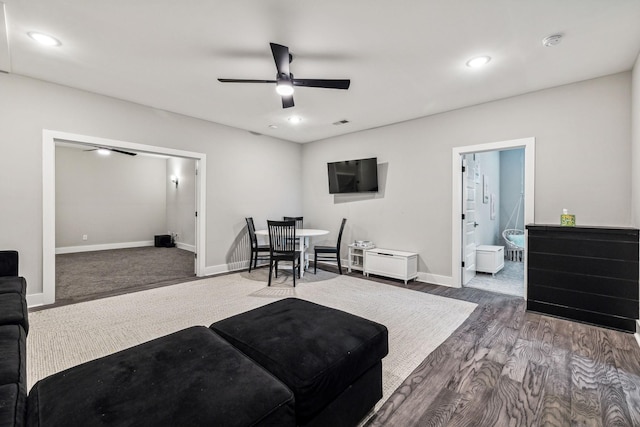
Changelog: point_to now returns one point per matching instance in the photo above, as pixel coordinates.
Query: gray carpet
(86, 274)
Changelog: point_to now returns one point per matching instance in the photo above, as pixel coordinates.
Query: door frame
(529, 185)
(49, 140)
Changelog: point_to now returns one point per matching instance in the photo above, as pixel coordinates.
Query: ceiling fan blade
(324, 83)
(245, 81)
(128, 153)
(281, 57)
(287, 101)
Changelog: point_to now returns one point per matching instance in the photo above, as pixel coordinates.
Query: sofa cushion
(8, 263)
(13, 400)
(13, 310)
(13, 351)
(189, 378)
(13, 284)
(315, 350)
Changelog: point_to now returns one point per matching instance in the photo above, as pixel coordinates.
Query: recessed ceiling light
(295, 119)
(478, 61)
(44, 39)
(104, 152)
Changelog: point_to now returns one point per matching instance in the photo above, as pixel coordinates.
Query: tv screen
(353, 176)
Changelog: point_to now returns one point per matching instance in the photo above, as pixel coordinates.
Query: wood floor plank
(556, 403)
(628, 365)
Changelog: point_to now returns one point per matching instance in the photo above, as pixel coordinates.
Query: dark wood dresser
(589, 274)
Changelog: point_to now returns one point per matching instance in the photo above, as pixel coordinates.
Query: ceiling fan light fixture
(284, 88)
(478, 61)
(44, 39)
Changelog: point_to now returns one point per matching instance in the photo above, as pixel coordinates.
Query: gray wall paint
(511, 188)
(583, 153)
(241, 177)
(181, 200)
(111, 199)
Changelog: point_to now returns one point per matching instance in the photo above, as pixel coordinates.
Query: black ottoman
(188, 378)
(330, 359)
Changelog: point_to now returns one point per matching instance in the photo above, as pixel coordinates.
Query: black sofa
(288, 363)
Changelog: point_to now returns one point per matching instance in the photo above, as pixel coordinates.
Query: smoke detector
(552, 40)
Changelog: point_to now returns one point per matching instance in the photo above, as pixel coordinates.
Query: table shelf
(356, 256)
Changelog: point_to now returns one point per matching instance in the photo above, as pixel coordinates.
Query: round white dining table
(304, 234)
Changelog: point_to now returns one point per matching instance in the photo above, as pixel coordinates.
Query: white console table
(390, 263)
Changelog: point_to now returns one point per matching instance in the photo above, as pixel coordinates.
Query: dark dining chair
(329, 253)
(297, 219)
(282, 247)
(256, 249)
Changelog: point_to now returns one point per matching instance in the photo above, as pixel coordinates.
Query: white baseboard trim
(103, 247)
(225, 268)
(35, 300)
(190, 248)
(436, 279)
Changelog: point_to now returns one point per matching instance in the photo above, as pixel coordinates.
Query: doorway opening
(493, 199)
(51, 139)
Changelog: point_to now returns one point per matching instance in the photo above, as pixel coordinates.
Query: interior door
(468, 219)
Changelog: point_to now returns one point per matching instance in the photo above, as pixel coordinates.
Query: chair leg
(250, 261)
(270, 270)
(293, 271)
(276, 269)
(315, 263)
(339, 265)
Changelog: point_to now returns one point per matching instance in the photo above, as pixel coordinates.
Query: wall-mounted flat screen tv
(353, 176)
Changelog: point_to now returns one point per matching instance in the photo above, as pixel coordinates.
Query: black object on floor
(163, 241)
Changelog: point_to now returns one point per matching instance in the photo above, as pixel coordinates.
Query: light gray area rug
(65, 336)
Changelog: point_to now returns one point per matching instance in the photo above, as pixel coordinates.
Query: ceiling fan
(128, 153)
(284, 79)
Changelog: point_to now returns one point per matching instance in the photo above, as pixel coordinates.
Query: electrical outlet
(85, 237)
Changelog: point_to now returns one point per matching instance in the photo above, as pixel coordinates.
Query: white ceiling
(405, 58)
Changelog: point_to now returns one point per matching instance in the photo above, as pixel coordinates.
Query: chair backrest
(252, 232)
(344, 221)
(297, 219)
(282, 236)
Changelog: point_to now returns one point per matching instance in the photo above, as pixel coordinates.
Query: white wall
(511, 188)
(487, 232)
(241, 177)
(111, 199)
(181, 201)
(583, 163)
(635, 143)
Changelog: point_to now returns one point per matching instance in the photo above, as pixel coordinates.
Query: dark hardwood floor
(508, 367)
